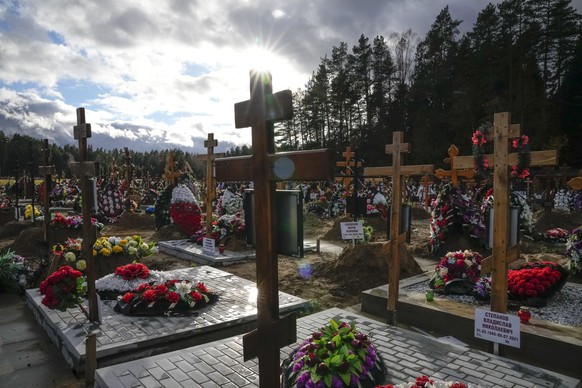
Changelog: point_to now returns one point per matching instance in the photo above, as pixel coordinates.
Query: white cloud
(167, 73)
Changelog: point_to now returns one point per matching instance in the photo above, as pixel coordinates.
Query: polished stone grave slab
(122, 338)
(406, 355)
(542, 343)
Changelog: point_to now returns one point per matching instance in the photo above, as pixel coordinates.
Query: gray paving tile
(441, 360)
(121, 338)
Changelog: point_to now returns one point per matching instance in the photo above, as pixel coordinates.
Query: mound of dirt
(379, 224)
(364, 266)
(132, 221)
(169, 232)
(556, 219)
(14, 228)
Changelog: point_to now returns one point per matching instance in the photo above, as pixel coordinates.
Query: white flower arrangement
(181, 193)
(562, 200)
(231, 202)
(113, 282)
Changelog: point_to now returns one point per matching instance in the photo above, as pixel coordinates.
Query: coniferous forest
(520, 56)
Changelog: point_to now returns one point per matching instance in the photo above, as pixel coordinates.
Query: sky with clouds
(164, 74)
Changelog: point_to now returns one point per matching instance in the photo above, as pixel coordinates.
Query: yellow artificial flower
(117, 249)
(105, 252)
(94, 253)
(81, 265)
(123, 242)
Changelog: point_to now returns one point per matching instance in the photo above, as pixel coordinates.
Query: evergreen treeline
(522, 56)
(24, 153)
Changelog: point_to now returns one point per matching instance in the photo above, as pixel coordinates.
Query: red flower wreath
(133, 271)
(186, 215)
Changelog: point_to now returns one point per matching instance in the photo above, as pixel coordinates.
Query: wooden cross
(348, 163)
(453, 152)
(171, 173)
(47, 171)
(113, 171)
(396, 246)
(128, 177)
(502, 255)
(265, 167)
(85, 169)
(210, 143)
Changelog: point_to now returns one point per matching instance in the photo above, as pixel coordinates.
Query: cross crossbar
(538, 158)
(420, 169)
(309, 165)
(279, 106)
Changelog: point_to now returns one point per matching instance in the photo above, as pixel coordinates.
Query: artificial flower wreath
(335, 356)
(165, 298)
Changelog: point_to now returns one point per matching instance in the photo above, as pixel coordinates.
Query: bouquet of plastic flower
(63, 289)
(574, 250)
(459, 265)
(335, 356)
(170, 297)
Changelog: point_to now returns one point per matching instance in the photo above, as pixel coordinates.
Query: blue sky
(164, 74)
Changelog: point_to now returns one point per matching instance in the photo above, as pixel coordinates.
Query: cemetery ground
(333, 277)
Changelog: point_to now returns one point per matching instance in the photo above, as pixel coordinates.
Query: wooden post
(265, 167)
(453, 152)
(128, 178)
(47, 171)
(396, 245)
(210, 156)
(171, 173)
(85, 169)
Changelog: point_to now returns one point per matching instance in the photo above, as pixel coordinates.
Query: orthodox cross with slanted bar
(396, 246)
(264, 168)
(85, 169)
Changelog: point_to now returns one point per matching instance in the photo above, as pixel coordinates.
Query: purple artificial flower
(303, 379)
(336, 382)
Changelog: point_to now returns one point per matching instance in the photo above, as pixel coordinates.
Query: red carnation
(149, 295)
(173, 297)
(128, 297)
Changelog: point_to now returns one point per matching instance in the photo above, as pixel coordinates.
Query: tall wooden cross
(453, 152)
(349, 164)
(396, 246)
(113, 174)
(48, 172)
(85, 169)
(128, 177)
(171, 172)
(210, 143)
(264, 168)
(503, 254)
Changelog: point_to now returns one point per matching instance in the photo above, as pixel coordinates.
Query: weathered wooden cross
(210, 143)
(264, 168)
(349, 163)
(502, 132)
(85, 169)
(426, 182)
(396, 246)
(48, 172)
(171, 172)
(128, 177)
(453, 152)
